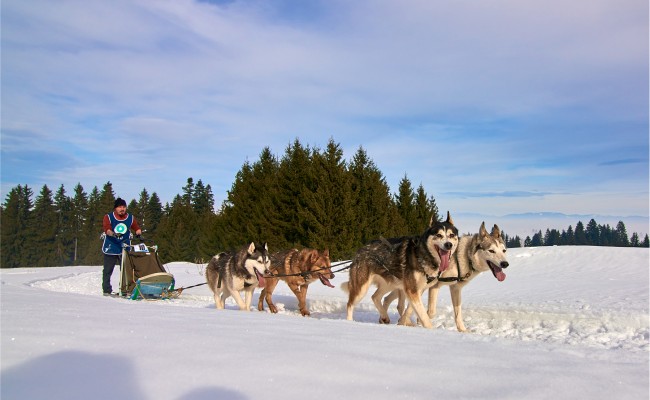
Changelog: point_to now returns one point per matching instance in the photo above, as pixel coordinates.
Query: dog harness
(458, 278)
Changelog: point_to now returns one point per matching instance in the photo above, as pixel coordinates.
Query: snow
(567, 323)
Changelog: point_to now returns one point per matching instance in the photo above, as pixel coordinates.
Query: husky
(229, 273)
(297, 268)
(409, 264)
(476, 253)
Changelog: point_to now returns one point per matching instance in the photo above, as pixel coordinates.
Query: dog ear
(496, 232)
(482, 231)
(251, 248)
(326, 253)
(266, 247)
(449, 220)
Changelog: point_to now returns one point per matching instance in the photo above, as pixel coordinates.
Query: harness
(457, 278)
(421, 261)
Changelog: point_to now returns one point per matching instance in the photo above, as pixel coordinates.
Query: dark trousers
(109, 266)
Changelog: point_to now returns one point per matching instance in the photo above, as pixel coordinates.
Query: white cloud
(462, 96)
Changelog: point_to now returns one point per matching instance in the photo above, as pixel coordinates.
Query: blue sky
(495, 107)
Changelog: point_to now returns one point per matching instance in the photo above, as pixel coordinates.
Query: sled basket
(142, 274)
(155, 286)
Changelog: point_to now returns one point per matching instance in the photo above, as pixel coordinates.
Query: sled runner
(143, 276)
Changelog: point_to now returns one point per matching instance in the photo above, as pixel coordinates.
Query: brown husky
(298, 268)
(410, 264)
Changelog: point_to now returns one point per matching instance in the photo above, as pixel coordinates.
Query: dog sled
(143, 276)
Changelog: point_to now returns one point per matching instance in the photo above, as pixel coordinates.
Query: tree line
(308, 197)
(593, 234)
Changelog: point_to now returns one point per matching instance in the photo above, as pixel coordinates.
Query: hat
(119, 202)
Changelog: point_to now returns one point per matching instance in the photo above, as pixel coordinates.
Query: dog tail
(345, 286)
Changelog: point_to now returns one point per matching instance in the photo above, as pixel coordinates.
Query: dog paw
(305, 313)
(385, 320)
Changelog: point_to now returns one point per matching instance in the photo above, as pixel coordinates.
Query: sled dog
(410, 264)
(303, 267)
(476, 253)
(229, 273)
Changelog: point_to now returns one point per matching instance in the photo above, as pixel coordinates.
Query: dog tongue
(260, 278)
(444, 259)
(325, 281)
(499, 274)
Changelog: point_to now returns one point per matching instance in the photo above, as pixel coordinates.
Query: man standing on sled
(117, 231)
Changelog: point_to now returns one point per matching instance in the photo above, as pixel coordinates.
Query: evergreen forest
(308, 197)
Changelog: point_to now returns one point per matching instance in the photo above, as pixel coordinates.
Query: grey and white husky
(476, 253)
(408, 264)
(230, 273)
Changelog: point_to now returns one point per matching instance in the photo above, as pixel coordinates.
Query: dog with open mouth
(230, 273)
(407, 265)
(476, 253)
(297, 268)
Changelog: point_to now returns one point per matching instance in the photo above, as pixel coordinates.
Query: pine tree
(177, 233)
(154, 214)
(606, 237)
(329, 208)
(426, 210)
(593, 233)
(139, 209)
(15, 219)
(209, 241)
(580, 235)
(646, 241)
(91, 245)
(234, 208)
(634, 241)
(295, 180)
(43, 227)
(405, 203)
(552, 238)
(202, 199)
(570, 239)
(188, 192)
(252, 210)
(372, 199)
(107, 197)
(620, 235)
(66, 228)
(79, 212)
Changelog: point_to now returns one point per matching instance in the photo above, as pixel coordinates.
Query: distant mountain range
(527, 224)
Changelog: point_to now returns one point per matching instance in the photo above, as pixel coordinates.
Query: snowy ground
(567, 323)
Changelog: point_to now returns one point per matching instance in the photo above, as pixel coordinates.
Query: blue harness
(113, 244)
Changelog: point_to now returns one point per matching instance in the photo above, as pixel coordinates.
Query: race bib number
(121, 229)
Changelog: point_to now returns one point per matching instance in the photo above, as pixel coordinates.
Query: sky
(496, 107)
(555, 328)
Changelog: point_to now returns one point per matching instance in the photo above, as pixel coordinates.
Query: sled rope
(306, 274)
